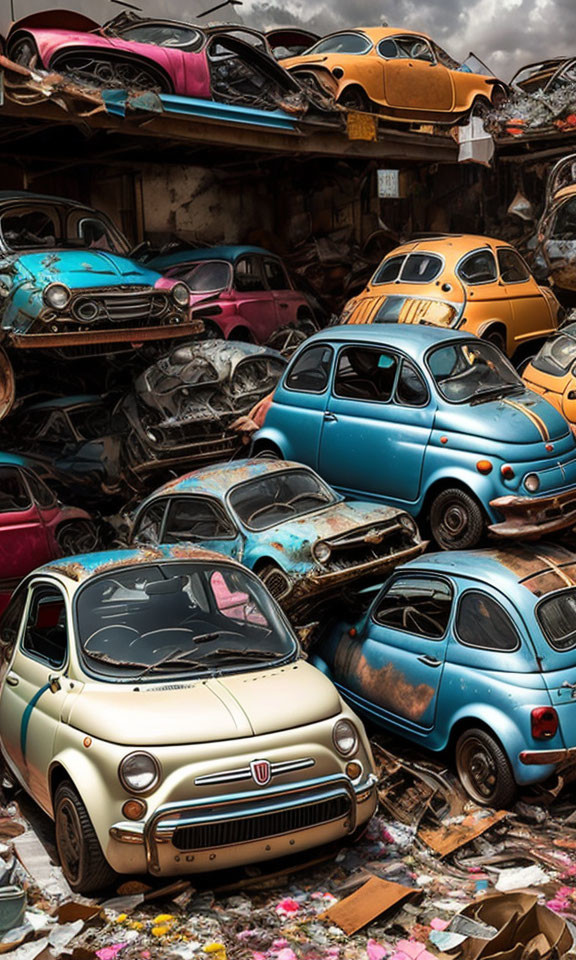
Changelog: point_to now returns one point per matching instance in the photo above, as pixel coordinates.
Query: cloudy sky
(504, 33)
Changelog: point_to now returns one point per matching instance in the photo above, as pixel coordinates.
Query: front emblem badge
(261, 772)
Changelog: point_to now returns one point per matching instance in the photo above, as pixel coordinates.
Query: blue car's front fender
(270, 435)
(464, 474)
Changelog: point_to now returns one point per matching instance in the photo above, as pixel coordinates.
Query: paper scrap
(517, 878)
(445, 940)
(372, 899)
(445, 839)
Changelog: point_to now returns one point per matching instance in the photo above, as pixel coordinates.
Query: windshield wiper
(175, 656)
(494, 393)
(229, 653)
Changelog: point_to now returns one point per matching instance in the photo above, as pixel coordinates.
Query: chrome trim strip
(244, 773)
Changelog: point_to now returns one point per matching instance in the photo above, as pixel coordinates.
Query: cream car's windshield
(152, 621)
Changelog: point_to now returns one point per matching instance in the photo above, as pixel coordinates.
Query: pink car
(34, 527)
(228, 63)
(241, 292)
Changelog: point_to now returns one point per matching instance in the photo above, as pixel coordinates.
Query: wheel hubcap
(69, 840)
(477, 769)
(455, 520)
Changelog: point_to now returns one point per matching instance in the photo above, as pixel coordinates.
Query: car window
(557, 617)
(557, 354)
(10, 622)
(418, 605)
(388, 271)
(34, 227)
(275, 275)
(444, 58)
(471, 370)
(310, 371)
(150, 523)
(209, 276)
(364, 373)
(278, 496)
(46, 632)
(13, 491)
(421, 268)
(233, 603)
(411, 390)
(478, 267)
(342, 43)
(195, 518)
(41, 493)
(164, 35)
(481, 622)
(512, 267)
(564, 224)
(407, 48)
(248, 275)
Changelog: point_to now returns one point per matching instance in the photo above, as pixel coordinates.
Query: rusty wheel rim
(477, 769)
(454, 521)
(69, 840)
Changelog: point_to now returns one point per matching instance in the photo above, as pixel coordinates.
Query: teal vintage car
(67, 280)
(434, 421)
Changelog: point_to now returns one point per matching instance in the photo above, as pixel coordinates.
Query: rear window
(557, 355)
(388, 271)
(479, 267)
(557, 617)
(342, 43)
(421, 268)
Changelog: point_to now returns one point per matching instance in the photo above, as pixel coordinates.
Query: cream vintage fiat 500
(156, 704)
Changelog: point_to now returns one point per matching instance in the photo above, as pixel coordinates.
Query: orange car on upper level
(463, 281)
(401, 74)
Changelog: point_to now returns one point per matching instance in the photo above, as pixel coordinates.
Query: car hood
(85, 268)
(343, 518)
(520, 418)
(199, 711)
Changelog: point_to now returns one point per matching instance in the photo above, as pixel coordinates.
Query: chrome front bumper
(262, 823)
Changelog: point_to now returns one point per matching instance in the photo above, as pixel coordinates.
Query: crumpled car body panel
(557, 226)
(551, 372)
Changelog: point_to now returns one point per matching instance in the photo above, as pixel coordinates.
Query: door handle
(430, 661)
(331, 417)
(12, 680)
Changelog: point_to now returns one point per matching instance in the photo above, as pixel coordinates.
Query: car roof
(26, 195)
(542, 568)
(379, 33)
(216, 480)
(415, 339)
(230, 253)
(84, 566)
(460, 242)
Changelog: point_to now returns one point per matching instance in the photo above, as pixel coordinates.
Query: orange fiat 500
(472, 283)
(552, 372)
(402, 74)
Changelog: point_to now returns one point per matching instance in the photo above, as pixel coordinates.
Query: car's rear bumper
(166, 331)
(538, 757)
(196, 836)
(533, 517)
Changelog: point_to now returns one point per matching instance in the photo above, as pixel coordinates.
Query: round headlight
(532, 482)
(345, 737)
(57, 296)
(139, 772)
(408, 523)
(322, 552)
(180, 294)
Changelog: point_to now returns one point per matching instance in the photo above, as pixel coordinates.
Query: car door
(531, 315)
(24, 543)
(256, 303)
(393, 669)
(202, 520)
(413, 78)
(486, 296)
(376, 425)
(32, 696)
(286, 299)
(300, 402)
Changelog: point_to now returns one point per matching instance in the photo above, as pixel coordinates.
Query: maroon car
(230, 63)
(34, 527)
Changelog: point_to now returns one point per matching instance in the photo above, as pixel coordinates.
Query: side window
(481, 622)
(366, 374)
(41, 493)
(196, 518)
(13, 491)
(411, 390)
(311, 371)
(150, 523)
(421, 268)
(276, 275)
(478, 267)
(387, 48)
(248, 276)
(418, 605)
(512, 267)
(46, 633)
(388, 271)
(10, 622)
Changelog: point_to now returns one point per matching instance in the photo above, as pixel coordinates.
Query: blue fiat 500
(434, 421)
(281, 520)
(474, 651)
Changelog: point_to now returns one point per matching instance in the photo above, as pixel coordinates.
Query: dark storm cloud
(505, 33)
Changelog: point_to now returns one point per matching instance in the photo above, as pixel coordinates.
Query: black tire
(354, 98)
(456, 520)
(497, 338)
(83, 863)
(484, 769)
(77, 536)
(211, 330)
(24, 52)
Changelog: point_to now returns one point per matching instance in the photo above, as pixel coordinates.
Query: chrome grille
(121, 307)
(225, 833)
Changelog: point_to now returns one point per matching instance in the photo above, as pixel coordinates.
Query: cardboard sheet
(368, 902)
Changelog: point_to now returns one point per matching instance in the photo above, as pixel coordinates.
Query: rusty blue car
(473, 652)
(282, 521)
(433, 421)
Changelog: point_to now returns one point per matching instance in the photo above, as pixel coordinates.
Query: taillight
(544, 722)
